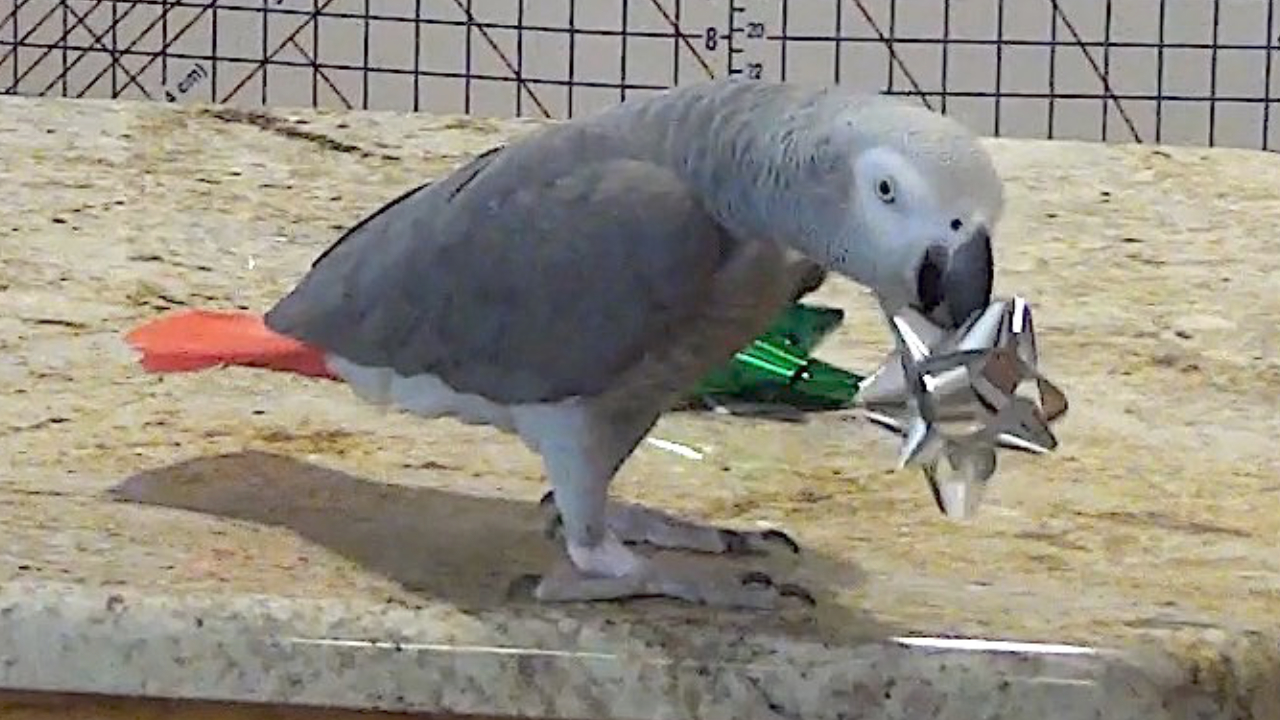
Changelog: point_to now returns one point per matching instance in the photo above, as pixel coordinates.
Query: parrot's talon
(524, 587)
(735, 543)
(755, 542)
(552, 521)
(798, 592)
(778, 536)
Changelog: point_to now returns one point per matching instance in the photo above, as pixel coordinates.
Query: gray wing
(535, 272)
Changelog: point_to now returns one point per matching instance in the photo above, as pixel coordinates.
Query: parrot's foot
(613, 572)
(635, 524)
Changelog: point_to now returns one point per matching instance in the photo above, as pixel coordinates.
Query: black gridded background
(1178, 71)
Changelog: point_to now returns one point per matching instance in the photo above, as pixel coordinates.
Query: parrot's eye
(956, 224)
(884, 189)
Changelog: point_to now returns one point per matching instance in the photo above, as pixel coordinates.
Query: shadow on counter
(464, 549)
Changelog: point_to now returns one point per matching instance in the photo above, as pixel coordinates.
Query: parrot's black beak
(953, 283)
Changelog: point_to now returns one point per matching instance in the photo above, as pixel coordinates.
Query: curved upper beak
(955, 281)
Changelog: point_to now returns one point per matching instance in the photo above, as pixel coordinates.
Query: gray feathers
(531, 274)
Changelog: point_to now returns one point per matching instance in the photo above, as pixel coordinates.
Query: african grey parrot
(570, 286)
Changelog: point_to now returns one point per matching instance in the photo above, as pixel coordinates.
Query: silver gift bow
(954, 398)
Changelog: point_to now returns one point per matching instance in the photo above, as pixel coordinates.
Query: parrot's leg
(582, 452)
(639, 524)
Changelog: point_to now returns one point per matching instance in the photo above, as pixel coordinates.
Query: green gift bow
(778, 368)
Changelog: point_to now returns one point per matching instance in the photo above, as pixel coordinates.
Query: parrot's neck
(758, 154)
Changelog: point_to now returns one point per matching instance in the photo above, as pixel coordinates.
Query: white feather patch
(424, 395)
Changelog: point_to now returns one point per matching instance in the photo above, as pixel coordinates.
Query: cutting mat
(1188, 72)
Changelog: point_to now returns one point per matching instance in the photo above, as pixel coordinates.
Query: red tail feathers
(199, 339)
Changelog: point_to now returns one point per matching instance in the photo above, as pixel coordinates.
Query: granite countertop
(240, 535)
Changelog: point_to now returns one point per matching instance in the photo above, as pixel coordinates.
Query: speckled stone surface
(246, 536)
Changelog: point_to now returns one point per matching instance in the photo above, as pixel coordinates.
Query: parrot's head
(923, 201)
